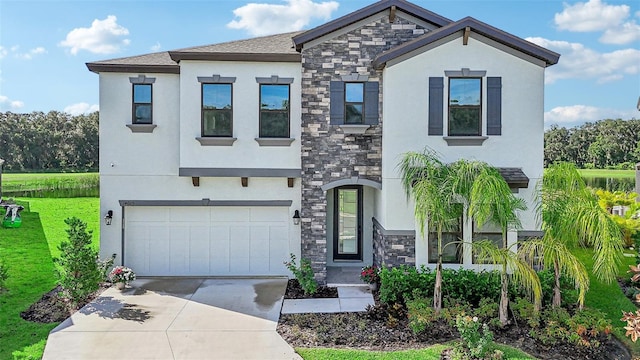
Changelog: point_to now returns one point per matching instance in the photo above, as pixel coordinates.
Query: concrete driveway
(177, 319)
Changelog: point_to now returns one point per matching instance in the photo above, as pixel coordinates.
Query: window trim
(202, 110)
(361, 103)
(475, 230)
(481, 109)
(135, 104)
(459, 247)
(287, 111)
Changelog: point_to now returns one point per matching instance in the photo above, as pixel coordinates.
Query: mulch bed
(53, 307)
(294, 291)
(376, 330)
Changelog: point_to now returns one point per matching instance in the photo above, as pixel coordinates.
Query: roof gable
(379, 6)
(512, 41)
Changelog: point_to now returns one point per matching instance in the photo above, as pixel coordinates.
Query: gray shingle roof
(512, 41)
(277, 47)
(515, 177)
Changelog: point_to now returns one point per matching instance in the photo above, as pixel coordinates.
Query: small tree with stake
(79, 274)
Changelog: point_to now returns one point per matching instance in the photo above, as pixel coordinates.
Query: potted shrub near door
(121, 276)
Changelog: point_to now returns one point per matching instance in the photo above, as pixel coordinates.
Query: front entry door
(347, 227)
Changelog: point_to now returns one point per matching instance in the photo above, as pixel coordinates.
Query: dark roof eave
(129, 68)
(177, 56)
(548, 56)
(365, 12)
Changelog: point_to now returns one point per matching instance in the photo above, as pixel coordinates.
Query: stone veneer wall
(327, 153)
(392, 250)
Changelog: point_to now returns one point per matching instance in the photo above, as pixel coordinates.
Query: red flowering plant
(121, 274)
(370, 274)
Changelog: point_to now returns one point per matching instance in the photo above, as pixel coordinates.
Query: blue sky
(44, 45)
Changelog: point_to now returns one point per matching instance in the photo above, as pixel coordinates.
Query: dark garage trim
(239, 172)
(206, 202)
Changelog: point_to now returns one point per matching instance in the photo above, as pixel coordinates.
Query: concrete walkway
(177, 319)
(350, 299)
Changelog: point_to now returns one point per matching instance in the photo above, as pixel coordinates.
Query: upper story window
(354, 103)
(468, 121)
(217, 110)
(274, 111)
(142, 104)
(465, 107)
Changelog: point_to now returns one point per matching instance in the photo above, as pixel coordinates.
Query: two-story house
(224, 159)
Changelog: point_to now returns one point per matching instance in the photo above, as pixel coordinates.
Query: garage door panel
(259, 249)
(230, 214)
(219, 253)
(278, 248)
(199, 250)
(179, 249)
(269, 214)
(203, 241)
(188, 214)
(147, 214)
(159, 250)
(239, 242)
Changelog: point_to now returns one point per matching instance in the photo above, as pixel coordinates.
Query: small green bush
(304, 274)
(567, 288)
(476, 344)
(421, 314)
(79, 275)
(585, 328)
(524, 311)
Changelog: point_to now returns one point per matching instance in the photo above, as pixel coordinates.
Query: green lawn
(609, 297)
(617, 174)
(430, 353)
(27, 251)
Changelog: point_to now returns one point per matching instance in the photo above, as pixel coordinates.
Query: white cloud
(6, 103)
(103, 37)
(266, 19)
(623, 34)
(29, 54)
(3, 52)
(580, 62)
(80, 108)
(156, 47)
(593, 15)
(578, 114)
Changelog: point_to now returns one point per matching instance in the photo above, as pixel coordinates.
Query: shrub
(567, 289)
(105, 266)
(403, 283)
(304, 274)
(524, 311)
(633, 324)
(421, 314)
(475, 343)
(79, 275)
(585, 328)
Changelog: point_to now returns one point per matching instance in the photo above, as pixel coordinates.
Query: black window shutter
(436, 96)
(371, 91)
(494, 106)
(337, 102)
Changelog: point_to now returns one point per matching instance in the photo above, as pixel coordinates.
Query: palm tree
(572, 217)
(439, 189)
(428, 181)
(493, 202)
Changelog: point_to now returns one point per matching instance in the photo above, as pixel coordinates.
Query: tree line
(53, 141)
(601, 144)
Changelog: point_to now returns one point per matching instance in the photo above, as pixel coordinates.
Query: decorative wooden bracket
(290, 182)
(244, 181)
(195, 180)
(392, 14)
(467, 33)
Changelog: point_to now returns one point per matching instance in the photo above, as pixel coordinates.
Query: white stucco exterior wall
(405, 119)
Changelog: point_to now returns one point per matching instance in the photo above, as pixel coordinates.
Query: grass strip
(27, 251)
(609, 297)
(607, 173)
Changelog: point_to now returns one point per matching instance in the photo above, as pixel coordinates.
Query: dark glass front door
(347, 227)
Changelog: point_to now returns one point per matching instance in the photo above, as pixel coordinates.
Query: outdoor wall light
(109, 217)
(296, 218)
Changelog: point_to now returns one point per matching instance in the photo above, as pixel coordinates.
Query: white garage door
(201, 241)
